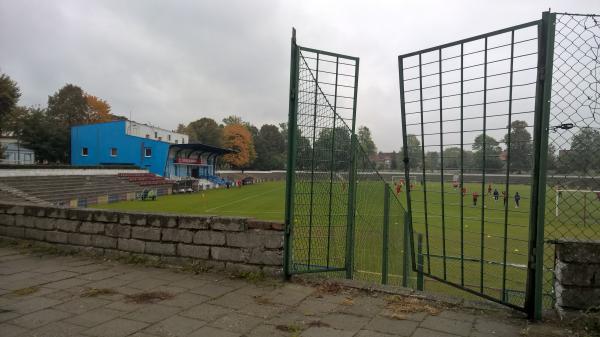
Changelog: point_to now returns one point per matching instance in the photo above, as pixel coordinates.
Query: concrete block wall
(577, 275)
(228, 243)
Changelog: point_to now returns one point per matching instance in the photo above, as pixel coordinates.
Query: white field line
(243, 199)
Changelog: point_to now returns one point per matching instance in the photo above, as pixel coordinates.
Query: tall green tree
(39, 133)
(492, 152)
(9, 97)
(341, 147)
(521, 147)
(205, 131)
(432, 160)
(584, 155)
(66, 108)
(452, 159)
(270, 149)
(233, 119)
(414, 153)
(366, 141)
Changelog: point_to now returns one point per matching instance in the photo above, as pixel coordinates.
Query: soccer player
(496, 194)
(504, 197)
(464, 191)
(398, 189)
(489, 189)
(475, 196)
(517, 199)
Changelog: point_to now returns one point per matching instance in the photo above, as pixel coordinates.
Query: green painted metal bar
(462, 169)
(420, 280)
(470, 39)
(332, 167)
(352, 182)
(291, 157)
(312, 164)
(351, 209)
(406, 252)
(386, 234)
(442, 167)
(425, 206)
(534, 293)
(508, 152)
(484, 166)
(323, 52)
(405, 141)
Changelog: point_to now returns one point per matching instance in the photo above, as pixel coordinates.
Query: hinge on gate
(292, 95)
(405, 160)
(541, 73)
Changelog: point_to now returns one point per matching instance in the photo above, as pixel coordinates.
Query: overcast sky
(170, 62)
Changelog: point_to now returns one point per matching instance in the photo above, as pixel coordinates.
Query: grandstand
(80, 190)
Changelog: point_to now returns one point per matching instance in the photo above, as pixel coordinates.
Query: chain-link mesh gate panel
(468, 111)
(325, 93)
(341, 215)
(573, 183)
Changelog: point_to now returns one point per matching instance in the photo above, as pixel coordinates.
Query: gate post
(535, 272)
(291, 157)
(386, 230)
(351, 208)
(406, 251)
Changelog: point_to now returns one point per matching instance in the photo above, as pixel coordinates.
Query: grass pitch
(265, 201)
(322, 242)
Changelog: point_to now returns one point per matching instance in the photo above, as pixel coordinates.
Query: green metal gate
(342, 218)
(475, 132)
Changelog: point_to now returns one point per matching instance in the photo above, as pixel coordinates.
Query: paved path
(77, 296)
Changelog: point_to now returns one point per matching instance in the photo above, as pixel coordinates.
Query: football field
(490, 246)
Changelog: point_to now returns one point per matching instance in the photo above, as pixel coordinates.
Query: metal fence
(342, 218)
(573, 184)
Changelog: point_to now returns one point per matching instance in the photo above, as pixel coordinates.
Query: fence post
(291, 158)
(351, 209)
(420, 262)
(406, 251)
(535, 272)
(386, 230)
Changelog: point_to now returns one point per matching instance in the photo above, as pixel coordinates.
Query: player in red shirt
(475, 196)
(464, 191)
(489, 189)
(398, 189)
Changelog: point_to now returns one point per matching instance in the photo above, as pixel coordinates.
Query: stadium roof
(197, 147)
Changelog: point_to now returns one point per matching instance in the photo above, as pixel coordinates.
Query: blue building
(162, 152)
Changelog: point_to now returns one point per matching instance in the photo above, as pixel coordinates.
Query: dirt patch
(262, 300)
(149, 297)
(400, 306)
(318, 324)
(293, 329)
(25, 291)
(94, 292)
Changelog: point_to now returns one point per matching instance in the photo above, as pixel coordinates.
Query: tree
(323, 149)
(39, 133)
(98, 110)
(521, 147)
(66, 108)
(237, 137)
(432, 160)
(205, 131)
(365, 140)
(414, 153)
(9, 97)
(551, 161)
(233, 119)
(270, 149)
(584, 153)
(492, 152)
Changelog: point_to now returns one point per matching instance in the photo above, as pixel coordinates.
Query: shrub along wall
(229, 243)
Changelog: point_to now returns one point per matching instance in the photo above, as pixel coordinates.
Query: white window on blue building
(113, 152)
(147, 152)
(85, 151)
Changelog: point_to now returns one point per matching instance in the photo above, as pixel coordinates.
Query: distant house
(383, 160)
(15, 153)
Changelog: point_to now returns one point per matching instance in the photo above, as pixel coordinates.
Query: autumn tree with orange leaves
(237, 137)
(98, 110)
